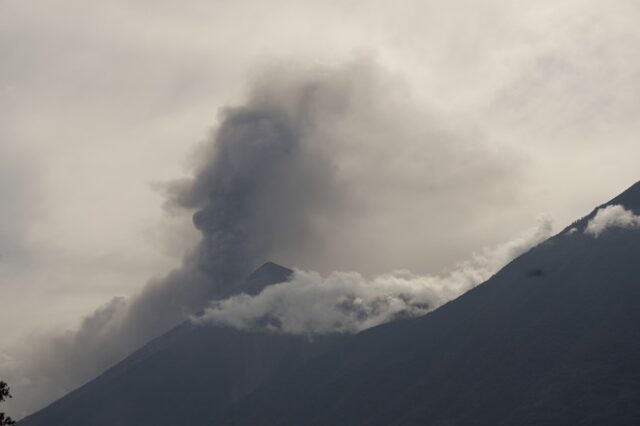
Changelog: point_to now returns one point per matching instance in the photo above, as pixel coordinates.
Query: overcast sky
(101, 101)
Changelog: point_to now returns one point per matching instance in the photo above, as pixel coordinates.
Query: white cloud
(346, 302)
(615, 216)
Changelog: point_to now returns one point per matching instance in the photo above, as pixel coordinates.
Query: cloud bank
(615, 216)
(346, 302)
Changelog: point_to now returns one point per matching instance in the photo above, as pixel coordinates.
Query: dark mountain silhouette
(187, 375)
(551, 339)
(267, 274)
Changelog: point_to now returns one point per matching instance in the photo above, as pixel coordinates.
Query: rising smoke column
(259, 188)
(262, 183)
(286, 175)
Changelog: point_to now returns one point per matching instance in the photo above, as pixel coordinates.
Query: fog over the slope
(615, 216)
(346, 302)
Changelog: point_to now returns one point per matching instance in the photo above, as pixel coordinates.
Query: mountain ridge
(541, 334)
(551, 338)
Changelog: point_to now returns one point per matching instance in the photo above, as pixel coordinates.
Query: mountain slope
(553, 338)
(185, 376)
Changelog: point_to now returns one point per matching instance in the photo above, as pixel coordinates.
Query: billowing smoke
(615, 216)
(346, 302)
(292, 175)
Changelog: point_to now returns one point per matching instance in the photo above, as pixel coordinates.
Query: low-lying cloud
(346, 302)
(614, 216)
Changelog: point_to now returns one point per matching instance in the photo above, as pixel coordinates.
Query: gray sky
(497, 111)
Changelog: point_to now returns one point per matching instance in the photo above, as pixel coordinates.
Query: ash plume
(290, 175)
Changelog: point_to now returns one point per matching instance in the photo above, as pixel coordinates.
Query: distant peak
(268, 274)
(270, 268)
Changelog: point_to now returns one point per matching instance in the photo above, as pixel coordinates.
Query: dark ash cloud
(301, 174)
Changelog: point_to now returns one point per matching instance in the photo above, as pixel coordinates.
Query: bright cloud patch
(615, 216)
(346, 302)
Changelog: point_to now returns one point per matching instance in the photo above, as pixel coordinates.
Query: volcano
(551, 339)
